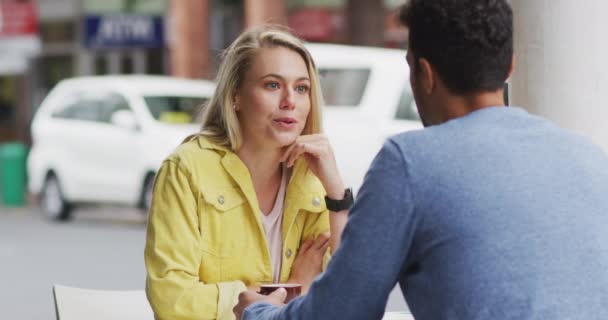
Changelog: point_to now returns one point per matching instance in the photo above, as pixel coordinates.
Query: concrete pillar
(561, 70)
(258, 12)
(189, 38)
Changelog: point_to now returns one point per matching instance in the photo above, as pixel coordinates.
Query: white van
(368, 98)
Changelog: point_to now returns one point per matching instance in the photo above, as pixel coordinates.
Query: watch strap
(339, 205)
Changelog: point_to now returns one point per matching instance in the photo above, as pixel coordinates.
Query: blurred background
(45, 41)
(95, 93)
(76, 165)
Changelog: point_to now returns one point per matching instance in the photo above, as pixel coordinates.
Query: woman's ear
(235, 102)
(428, 77)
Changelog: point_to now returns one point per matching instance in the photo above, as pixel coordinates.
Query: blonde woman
(248, 199)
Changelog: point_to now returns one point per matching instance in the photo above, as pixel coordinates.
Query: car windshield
(176, 109)
(343, 87)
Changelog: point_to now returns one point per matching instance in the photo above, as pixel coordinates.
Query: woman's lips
(286, 122)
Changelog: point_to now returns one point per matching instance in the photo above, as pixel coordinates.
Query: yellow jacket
(205, 240)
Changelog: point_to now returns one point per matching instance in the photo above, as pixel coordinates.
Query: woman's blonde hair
(220, 122)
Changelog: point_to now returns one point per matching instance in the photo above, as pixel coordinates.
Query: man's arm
(368, 262)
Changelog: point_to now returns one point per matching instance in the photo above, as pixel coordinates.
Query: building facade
(183, 38)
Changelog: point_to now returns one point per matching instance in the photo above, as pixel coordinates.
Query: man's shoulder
(411, 141)
(478, 124)
(409, 136)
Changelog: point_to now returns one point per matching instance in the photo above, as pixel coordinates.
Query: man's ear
(428, 76)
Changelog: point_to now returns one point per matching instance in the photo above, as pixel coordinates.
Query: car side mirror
(124, 119)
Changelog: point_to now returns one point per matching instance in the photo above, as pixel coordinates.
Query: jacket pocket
(222, 220)
(223, 199)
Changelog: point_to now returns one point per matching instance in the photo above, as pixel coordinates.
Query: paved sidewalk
(101, 248)
(14, 210)
(115, 214)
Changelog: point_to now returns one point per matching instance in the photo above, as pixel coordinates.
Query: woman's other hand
(309, 262)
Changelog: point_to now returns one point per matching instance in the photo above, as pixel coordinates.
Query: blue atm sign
(124, 31)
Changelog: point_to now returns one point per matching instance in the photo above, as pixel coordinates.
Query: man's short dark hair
(469, 42)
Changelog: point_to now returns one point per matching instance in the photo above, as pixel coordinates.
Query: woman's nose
(288, 101)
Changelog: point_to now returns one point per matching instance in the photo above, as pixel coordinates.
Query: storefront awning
(18, 35)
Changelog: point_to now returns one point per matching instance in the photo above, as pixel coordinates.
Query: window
(81, 109)
(174, 109)
(110, 104)
(406, 110)
(126, 64)
(343, 87)
(8, 108)
(155, 61)
(55, 69)
(97, 109)
(101, 64)
(63, 31)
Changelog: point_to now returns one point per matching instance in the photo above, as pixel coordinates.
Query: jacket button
(220, 199)
(288, 253)
(316, 201)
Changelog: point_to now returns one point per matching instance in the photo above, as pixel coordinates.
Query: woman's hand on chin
(319, 154)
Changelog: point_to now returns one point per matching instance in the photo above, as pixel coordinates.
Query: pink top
(273, 222)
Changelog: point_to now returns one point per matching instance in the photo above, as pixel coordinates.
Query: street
(101, 248)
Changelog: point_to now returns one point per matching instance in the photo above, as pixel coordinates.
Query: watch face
(348, 194)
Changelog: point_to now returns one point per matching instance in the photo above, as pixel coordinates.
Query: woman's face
(273, 101)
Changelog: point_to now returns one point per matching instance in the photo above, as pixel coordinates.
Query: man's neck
(460, 106)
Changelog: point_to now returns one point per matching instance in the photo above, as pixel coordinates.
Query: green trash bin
(12, 173)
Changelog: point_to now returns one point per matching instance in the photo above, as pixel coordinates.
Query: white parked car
(102, 138)
(368, 98)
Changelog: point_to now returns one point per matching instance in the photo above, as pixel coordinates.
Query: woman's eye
(272, 85)
(302, 89)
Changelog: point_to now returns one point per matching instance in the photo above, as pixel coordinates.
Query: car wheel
(53, 202)
(147, 191)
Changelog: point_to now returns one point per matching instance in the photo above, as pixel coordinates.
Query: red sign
(313, 24)
(18, 18)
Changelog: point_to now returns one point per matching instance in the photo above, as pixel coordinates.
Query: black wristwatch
(339, 205)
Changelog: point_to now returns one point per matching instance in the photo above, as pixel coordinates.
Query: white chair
(81, 304)
(400, 315)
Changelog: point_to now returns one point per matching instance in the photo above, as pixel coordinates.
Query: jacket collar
(304, 189)
(205, 143)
